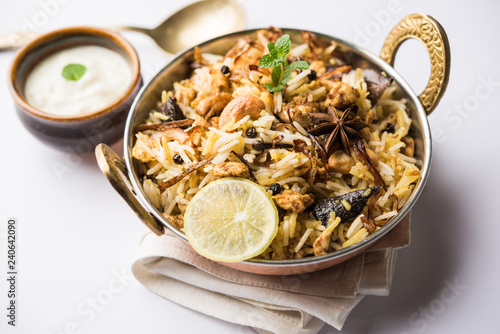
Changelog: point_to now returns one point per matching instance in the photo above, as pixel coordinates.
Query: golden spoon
(189, 26)
(195, 23)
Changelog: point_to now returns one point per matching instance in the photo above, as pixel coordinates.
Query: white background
(76, 233)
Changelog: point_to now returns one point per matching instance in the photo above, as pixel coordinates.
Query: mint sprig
(73, 72)
(277, 60)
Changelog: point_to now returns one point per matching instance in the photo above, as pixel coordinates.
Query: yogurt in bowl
(104, 76)
(73, 87)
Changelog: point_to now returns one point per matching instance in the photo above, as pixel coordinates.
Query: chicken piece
(139, 153)
(409, 149)
(269, 35)
(322, 48)
(231, 169)
(220, 82)
(176, 220)
(213, 105)
(293, 201)
(316, 45)
(299, 111)
(195, 134)
(214, 122)
(342, 96)
(318, 66)
(370, 116)
(183, 93)
(322, 243)
(245, 52)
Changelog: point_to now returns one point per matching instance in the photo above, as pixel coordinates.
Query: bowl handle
(428, 31)
(116, 172)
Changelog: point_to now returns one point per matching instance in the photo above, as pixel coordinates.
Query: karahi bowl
(124, 176)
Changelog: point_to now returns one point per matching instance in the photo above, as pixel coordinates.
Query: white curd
(107, 77)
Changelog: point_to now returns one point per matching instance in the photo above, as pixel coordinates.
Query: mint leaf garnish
(299, 65)
(283, 45)
(276, 75)
(73, 72)
(272, 88)
(277, 59)
(287, 75)
(268, 61)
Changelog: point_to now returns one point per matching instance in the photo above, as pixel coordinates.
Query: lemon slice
(231, 220)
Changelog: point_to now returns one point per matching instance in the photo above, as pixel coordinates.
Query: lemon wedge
(231, 220)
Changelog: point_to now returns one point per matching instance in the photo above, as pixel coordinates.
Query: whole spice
(251, 132)
(376, 84)
(312, 75)
(224, 70)
(170, 182)
(172, 110)
(362, 155)
(268, 160)
(177, 159)
(277, 139)
(339, 127)
(321, 151)
(275, 188)
(260, 145)
(347, 206)
(163, 126)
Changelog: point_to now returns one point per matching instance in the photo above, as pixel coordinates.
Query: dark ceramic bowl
(77, 134)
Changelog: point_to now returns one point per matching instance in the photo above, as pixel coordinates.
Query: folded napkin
(299, 304)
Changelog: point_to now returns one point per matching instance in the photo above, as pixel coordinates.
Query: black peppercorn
(312, 76)
(177, 158)
(251, 132)
(275, 188)
(224, 70)
(259, 145)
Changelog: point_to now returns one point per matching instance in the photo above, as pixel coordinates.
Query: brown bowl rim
(66, 32)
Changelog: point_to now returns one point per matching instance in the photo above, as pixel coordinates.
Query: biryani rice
(297, 231)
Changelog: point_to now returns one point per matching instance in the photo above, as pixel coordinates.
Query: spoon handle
(15, 40)
(136, 29)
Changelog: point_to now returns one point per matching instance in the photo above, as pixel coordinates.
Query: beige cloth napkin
(299, 304)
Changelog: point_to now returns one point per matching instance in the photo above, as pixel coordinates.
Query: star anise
(335, 127)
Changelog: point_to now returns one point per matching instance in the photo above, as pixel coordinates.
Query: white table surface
(75, 234)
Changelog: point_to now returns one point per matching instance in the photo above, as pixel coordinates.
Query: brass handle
(428, 31)
(116, 172)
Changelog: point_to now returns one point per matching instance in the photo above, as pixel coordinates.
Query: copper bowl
(421, 27)
(76, 134)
